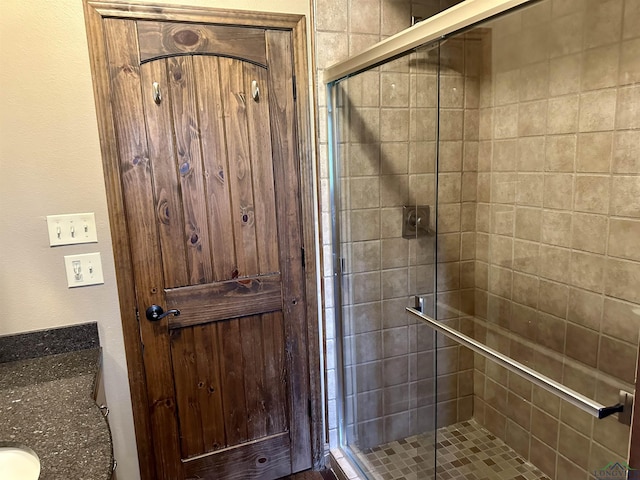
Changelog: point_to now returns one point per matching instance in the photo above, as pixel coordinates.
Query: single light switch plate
(72, 229)
(84, 269)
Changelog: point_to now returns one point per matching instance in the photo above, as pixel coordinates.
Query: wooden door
(204, 119)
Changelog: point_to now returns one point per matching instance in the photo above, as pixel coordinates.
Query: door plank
(214, 156)
(209, 388)
(129, 121)
(253, 375)
(263, 350)
(163, 39)
(262, 169)
(169, 215)
(234, 98)
(185, 373)
(219, 301)
(231, 370)
(286, 172)
(190, 168)
(266, 459)
(275, 373)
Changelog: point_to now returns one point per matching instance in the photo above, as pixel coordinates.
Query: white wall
(50, 164)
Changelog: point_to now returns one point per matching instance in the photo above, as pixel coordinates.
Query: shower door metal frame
(334, 194)
(449, 21)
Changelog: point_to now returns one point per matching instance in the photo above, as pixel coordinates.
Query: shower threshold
(465, 450)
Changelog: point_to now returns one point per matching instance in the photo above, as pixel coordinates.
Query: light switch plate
(84, 269)
(72, 229)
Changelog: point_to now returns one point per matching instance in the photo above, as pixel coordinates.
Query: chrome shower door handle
(155, 313)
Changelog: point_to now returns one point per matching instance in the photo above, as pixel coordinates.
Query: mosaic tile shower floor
(465, 450)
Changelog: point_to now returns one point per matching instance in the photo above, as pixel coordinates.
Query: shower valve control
(415, 221)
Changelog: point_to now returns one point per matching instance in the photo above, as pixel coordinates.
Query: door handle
(155, 313)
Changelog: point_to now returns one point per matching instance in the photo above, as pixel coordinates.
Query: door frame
(97, 10)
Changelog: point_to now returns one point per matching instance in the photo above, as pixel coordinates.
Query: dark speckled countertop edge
(47, 404)
(41, 343)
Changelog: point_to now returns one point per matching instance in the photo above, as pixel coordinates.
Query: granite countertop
(47, 404)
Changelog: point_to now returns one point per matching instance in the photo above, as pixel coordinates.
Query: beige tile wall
(557, 264)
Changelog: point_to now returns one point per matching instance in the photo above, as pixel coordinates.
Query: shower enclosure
(486, 218)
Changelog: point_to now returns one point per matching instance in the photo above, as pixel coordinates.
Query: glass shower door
(384, 122)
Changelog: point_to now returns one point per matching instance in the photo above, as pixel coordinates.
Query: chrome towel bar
(574, 398)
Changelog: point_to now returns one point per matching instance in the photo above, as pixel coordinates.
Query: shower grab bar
(574, 398)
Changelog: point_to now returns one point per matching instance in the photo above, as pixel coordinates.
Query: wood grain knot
(247, 216)
(164, 212)
(128, 70)
(162, 403)
(188, 38)
(262, 460)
